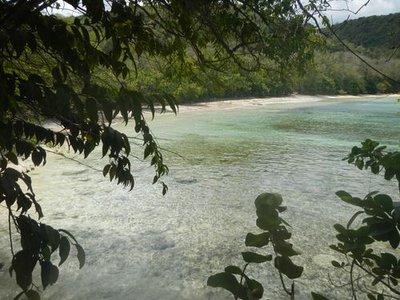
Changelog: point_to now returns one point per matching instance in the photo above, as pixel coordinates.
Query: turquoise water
(141, 245)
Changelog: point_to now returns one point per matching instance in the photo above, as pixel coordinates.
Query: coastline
(224, 104)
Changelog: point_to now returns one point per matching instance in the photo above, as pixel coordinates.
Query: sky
(374, 7)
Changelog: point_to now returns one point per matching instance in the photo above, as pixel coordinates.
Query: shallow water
(141, 245)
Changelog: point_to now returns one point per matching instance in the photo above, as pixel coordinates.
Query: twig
(73, 159)
(381, 281)
(241, 277)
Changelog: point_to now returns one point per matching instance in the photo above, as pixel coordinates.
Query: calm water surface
(141, 245)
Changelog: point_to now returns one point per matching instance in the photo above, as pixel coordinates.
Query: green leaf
(81, 255)
(371, 297)
(343, 195)
(284, 248)
(12, 157)
(233, 270)
(171, 102)
(389, 174)
(64, 249)
(387, 261)
(113, 172)
(384, 201)
(228, 282)
(346, 197)
(375, 168)
(32, 295)
(91, 109)
(46, 253)
(268, 199)
(255, 289)
(36, 157)
(285, 265)
(49, 273)
(336, 264)
(266, 223)
(23, 264)
(316, 296)
(257, 240)
(164, 188)
(251, 257)
(340, 228)
(106, 169)
(53, 237)
(126, 143)
(108, 111)
(147, 151)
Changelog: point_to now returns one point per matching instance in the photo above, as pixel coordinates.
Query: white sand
(256, 102)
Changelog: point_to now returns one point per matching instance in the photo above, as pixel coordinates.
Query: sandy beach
(290, 100)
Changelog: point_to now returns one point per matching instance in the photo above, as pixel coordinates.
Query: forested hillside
(333, 71)
(337, 71)
(375, 32)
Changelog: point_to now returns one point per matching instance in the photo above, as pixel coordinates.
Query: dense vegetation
(372, 33)
(333, 71)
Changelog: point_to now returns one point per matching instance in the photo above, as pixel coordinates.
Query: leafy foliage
(268, 208)
(372, 156)
(380, 223)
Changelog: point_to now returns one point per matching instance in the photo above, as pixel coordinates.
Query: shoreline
(233, 103)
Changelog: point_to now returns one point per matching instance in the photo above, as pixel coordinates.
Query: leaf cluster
(39, 242)
(275, 234)
(381, 223)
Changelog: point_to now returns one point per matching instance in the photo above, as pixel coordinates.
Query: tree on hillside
(49, 70)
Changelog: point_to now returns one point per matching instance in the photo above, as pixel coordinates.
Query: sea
(142, 245)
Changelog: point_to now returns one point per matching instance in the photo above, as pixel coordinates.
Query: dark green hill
(374, 32)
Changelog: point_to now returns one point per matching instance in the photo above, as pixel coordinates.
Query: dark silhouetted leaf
(268, 199)
(64, 249)
(255, 289)
(32, 295)
(285, 265)
(251, 257)
(49, 273)
(91, 109)
(81, 255)
(284, 248)
(228, 282)
(23, 264)
(233, 270)
(268, 223)
(257, 240)
(316, 296)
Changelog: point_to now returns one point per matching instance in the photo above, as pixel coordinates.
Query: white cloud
(343, 9)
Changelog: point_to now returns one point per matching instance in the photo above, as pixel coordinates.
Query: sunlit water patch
(141, 245)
